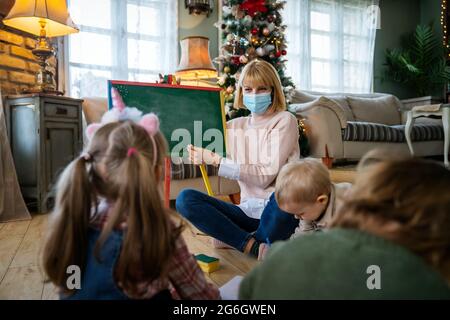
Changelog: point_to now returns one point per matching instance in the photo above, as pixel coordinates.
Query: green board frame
(177, 107)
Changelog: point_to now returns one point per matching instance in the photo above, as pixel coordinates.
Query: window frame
(119, 68)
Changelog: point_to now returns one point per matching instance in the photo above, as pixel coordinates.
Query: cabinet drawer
(60, 111)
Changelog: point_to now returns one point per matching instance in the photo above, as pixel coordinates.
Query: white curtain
(331, 44)
(131, 40)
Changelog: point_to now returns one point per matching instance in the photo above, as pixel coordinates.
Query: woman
(257, 146)
(389, 240)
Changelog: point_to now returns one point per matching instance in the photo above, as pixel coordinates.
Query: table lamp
(45, 19)
(195, 63)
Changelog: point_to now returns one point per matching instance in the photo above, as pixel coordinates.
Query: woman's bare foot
(263, 248)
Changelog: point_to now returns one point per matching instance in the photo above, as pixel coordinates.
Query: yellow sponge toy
(207, 264)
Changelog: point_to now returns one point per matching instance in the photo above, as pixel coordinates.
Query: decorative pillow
(343, 103)
(340, 100)
(383, 110)
(94, 108)
(321, 102)
(302, 97)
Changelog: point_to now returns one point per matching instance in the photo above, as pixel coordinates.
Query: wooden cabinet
(45, 135)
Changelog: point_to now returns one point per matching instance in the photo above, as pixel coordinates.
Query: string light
(444, 24)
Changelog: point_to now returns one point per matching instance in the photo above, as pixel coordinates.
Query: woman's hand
(200, 156)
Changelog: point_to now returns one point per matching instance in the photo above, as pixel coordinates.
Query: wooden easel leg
(235, 197)
(167, 170)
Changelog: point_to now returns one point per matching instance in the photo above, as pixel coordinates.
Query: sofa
(350, 125)
(182, 175)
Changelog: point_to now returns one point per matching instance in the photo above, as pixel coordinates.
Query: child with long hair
(109, 221)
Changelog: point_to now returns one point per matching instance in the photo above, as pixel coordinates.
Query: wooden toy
(207, 264)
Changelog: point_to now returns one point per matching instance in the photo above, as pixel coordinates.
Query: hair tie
(86, 156)
(131, 151)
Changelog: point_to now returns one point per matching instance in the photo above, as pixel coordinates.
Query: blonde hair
(131, 183)
(302, 181)
(259, 72)
(406, 202)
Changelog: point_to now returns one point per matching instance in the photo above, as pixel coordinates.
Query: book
(230, 290)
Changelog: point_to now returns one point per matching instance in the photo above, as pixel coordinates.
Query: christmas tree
(250, 29)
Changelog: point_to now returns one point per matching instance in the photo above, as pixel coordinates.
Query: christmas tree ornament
(222, 79)
(270, 18)
(269, 47)
(247, 21)
(252, 7)
(227, 69)
(243, 42)
(226, 10)
(266, 31)
(271, 26)
(230, 89)
(254, 31)
(251, 53)
(243, 59)
(230, 37)
(237, 12)
(283, 52)
(278, 54)
(235, 59)
(261, 52)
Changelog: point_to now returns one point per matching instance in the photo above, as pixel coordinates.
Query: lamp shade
(195, 60)
(28, 15)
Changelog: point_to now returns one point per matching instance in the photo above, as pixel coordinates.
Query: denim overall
(98, 276)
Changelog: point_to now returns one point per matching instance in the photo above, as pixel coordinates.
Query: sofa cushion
(302, 108)
(341, 100)
(343, 103)
(365, 131)
(384, 110)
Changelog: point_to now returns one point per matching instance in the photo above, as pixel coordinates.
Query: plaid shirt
(185, 279)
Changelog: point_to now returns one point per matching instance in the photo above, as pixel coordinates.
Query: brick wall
(18, 66)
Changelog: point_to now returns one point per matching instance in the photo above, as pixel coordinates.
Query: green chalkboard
(188, 115)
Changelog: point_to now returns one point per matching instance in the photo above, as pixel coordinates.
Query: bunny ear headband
(120, 112)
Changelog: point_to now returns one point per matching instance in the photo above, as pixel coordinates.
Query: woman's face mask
(257, 100)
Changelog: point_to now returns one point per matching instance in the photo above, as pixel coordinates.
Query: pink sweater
(257, 147)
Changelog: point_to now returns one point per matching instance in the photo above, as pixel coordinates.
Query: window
(120, 39)
(330, 44)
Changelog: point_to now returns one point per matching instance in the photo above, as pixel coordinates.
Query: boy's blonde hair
(260, 72)
(302, 181)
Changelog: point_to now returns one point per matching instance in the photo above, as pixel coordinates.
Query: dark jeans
(228, 223)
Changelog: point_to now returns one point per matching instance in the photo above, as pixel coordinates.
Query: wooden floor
(20, 246)
(21, 276)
